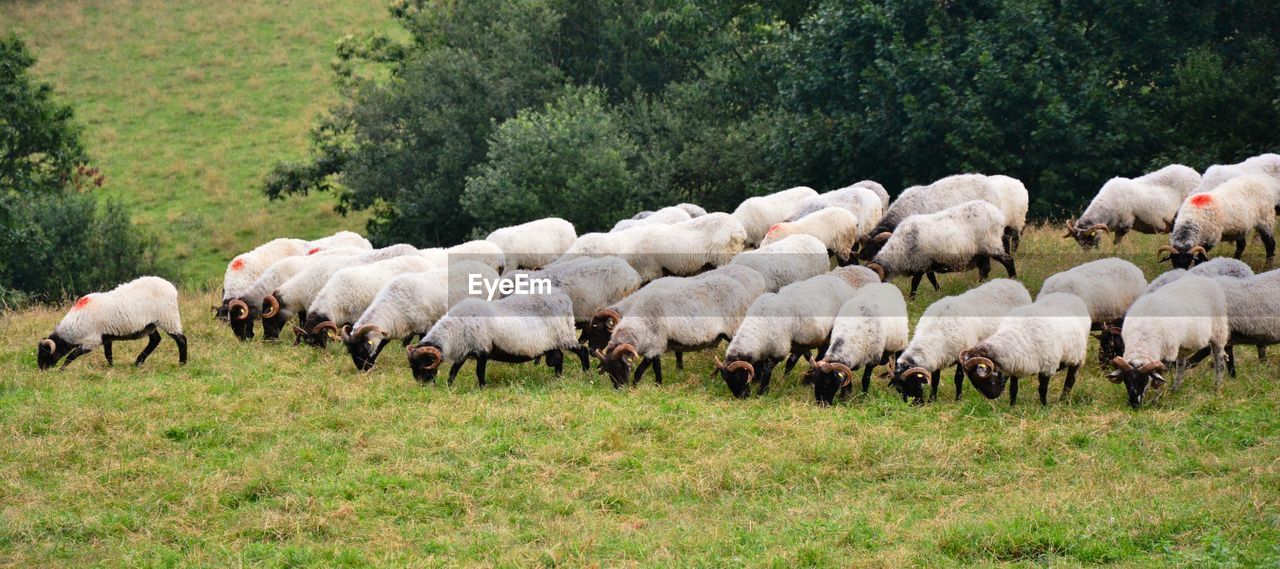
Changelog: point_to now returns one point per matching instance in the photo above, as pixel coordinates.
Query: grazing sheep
(655, 250)
(142, 307)
(1147, 204)
(1036, 339)
(949, 326)
(1161, 328)
(347, 294)
(1007, 194)
(1218, 174)
(1225, 214)
(245, 268)
(1107, 287)
(514, 329)
(791, 259)
(786, 325)
(592, 283)
(295, 295)
(480, 251)
(1253, 312)
(760, 213)
(689, 315)
(666, 215)
(954, 239)
(535, 244)
(409, 305)
(866, 202)
(834, 226)
(244, 310)
(870, 330)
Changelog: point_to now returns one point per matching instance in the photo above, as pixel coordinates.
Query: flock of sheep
(681, 279)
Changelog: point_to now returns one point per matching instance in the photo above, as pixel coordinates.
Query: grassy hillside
(186, 104)
(277, 455)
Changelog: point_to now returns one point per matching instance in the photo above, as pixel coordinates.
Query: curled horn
(240, 304)
(879, 271)
(363, 331)
(1198, 250)
(621, 349)
(326, 326)
(1121, 363)
(979, 366)
(600, 354)
(916, 371)
(346, 333)
(1100, 227)
(51, 345)
(272, 306)
(882, 236)
(1166, 249)
(1071, 228)
(424, 351)
(611, 315)
(733, 367)
(717, 366)
(828, 367)
(1156, 366)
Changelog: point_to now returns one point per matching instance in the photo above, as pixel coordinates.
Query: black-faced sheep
(347, 294)
(245, 268)
(1007, 194)
(142, 307)
(1225, 214)
(1147, 204)
(954, 239)
(244, 310)
(1036, 339)
(870, 330)
(532, 245)
(655, 250)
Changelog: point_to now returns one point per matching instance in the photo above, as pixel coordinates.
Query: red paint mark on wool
(83, 302)
(1201, 200)
(237, 264)
(774, 229)
(313, 251)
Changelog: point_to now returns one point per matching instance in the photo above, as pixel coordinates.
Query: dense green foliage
(727, 99)
(55, 238)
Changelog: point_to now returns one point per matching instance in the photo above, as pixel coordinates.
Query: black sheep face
(597, 334)
(1136, 382)
(739, 380)
(617, 368)
(989, 383)
(1087, 240)
(424, 368)
(47, 357)
(363, 352)
(909, 385)
(1182, 260)
(243, 327)
(826, 385)
(1110, 343)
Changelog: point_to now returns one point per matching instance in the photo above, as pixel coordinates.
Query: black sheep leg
(934, 380)
(915, 283)
(657, 369)
(1013, 391)
(1268, 241)
(106, 351)
(153, 340)
(1231, 360)
(455, 368)
(1070, 382)
(640, 369)
(75, 353)
(983, 263)
(933, 280)
(792, 359)
(822, 353)
(866, 376)
(959, 380)
(556, 359)
(585, 356)
(1044, 388)
(181, 341)
(680, 361)
(1240, 243)
(482, 362)
(765, 375)
(1009, 267)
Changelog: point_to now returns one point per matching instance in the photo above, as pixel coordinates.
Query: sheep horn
(272, 306)
(621, 349)
(1121, 363)
(1166, 249)
(47, 342)
(1198, 250)
(298, 333)
(237, 303)
(1071, 229)
(425, 351)
(740, 365)
(877, 269)
(346, 333)
(1156, 365)
(923, 373)
(600, 354)
(979, 366)
(326, 326)
(611, 315)
(1100, 227)
(839, 368)
(364, 331)
(882, 236)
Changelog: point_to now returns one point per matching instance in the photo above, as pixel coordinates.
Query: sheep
(244, 310)
(690, 314)
(949, 326)
(1007, 194)
(1227, 213)
(694, 210)
(666, 215)
(953, 239)
(785, 325)
(870, 330)
(409, 305)
(514, 329)
(760, 213)
(1218, 267)
(1164, 326)
(864, 200)
(1107, 287)
(142, 307)
(655, 250)
(480, 251)
(1253, 312)
(1147, 204)
(784, 261)
(835, 226)
(245, 268)
(591, 283)
(1039, 339)
(1216, 175)
(347, 294)
(295, 295)
(535, 244)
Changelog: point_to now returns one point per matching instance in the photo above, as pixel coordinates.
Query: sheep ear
(1114, 376)
(1157, 380)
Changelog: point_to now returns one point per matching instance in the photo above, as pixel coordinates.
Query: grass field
(273, 455)
(186, 104)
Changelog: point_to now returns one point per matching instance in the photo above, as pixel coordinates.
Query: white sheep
(760, 213)
(142, 307)
(691, 314)
(949, 326)
(244, 310)
(514, 329)
(836, 227)
(694, 210)
(1147, 204)
(295, 295)
(1163, 327)
(1108, 287)
(1007, 194)
(245, 268)
(785, 325)
(1225, 214)
(479, 250)
(866, 200)
(666, 215)
(1036, 339)
(535, 244)
(1216, 267)
(1218, 174)
(409, 305)
(1253, 312)
(655, 250)
(870, 330)
(954, 239)
(347, 294)
(592, 283)
(791, 259)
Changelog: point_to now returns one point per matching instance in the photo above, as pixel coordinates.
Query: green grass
(275, 455)
(186, 104)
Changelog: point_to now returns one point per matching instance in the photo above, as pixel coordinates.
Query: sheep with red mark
(245, 268)
(1227, 213)
(836, 227)
(142, 307)
(1146, 204)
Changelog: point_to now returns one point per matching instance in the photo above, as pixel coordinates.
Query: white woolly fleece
(122, 311)
(1182, 317)
(1041, 337)
(523, 325)
(1107, 286)
(951, 237)
(956, 323)
(787, 260)
(534, 244)
(758, 214)
(871, 324)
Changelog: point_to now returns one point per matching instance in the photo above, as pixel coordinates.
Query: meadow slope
(185, 105)
(277, 455)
